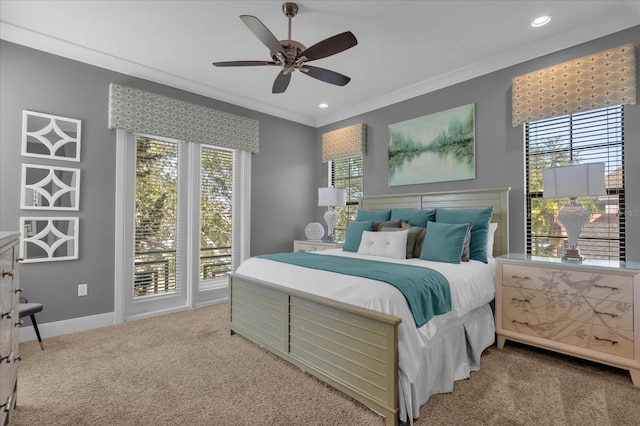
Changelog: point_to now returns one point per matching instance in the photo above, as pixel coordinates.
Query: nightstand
(308, 245)
(590, 310)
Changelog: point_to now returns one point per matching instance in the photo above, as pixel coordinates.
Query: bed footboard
(353, 349)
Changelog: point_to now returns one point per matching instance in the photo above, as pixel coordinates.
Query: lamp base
(331, 217)
(573, 216)
(573, 255)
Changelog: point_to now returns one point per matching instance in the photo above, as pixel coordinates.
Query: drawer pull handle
(606, 286)
(5, 273)
(18, 290)
(515, 299)
(613, 342)
(518, 277)
(519, 322)
(6, 315)
(606, 313)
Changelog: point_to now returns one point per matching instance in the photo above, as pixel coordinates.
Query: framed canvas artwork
(438, 147)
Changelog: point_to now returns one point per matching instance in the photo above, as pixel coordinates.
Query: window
(216, 206)
(182, 222)
(347, 173)
(156, 223)
(585, 137)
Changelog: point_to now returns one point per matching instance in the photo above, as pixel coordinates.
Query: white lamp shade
(332, 197)
(575, 180)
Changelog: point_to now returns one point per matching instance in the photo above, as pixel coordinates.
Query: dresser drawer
(576, 333)
(588, 284)
(600, 312)
(307, 245)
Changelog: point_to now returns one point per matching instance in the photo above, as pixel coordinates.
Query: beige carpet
(185, 369)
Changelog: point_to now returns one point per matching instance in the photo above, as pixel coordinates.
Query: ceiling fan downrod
(290, 10)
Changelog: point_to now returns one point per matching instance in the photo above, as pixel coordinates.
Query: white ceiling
(405, 48)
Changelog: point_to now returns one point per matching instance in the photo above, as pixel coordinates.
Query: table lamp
(575, 180)
(331, 197)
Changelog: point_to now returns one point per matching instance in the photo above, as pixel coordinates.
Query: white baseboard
(58, 328)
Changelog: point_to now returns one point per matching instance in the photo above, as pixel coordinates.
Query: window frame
(347, 212)
(570, 149)
(124, 218)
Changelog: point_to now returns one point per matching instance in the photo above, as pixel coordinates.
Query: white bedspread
(472, 286)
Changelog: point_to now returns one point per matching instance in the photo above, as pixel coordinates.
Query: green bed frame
(353, 349)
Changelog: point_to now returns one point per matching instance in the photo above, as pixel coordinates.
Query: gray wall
(499, 146)
(282, 174)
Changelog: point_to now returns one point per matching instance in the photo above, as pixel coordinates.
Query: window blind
(216, 201)
(347, 173)
(157, 270)
(585, 137)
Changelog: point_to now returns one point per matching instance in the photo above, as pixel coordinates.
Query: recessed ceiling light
(323, 105)
(542, 20)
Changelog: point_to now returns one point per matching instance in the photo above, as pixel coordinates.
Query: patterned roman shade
(344, 143)
(599, 80)
(145, 112)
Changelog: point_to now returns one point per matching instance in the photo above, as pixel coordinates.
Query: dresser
(308, 245)
(9, 299)
(589, 310)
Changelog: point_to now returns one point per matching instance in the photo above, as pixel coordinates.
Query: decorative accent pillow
(375, 215)
(385, 244)
(377, 226)
(412, 235)
(465, 249)
(444, 242)
(414, 217)
(354, 234)
(492, 230)
(419, 240)
(480, 218)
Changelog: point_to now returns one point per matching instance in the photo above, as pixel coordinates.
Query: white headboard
(473, 198)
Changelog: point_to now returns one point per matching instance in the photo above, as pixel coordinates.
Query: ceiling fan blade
(329, 46)
(325, 75)
(243, 63)
(282, 81)
(263, 33)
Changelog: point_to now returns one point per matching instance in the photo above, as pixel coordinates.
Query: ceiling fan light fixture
(540, 21)
(291, 55)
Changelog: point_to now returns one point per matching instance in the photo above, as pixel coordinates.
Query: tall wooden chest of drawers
(589, 310)
(9, 321)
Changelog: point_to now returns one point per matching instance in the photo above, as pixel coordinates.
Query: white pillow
(385, 244)
(492, 230)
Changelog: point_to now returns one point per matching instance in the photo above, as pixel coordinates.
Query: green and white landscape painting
(437, 147)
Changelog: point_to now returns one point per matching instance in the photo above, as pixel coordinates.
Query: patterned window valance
(595, 81)
(146, 112)
(343, 143)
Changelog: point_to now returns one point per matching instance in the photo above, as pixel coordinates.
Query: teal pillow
(444, 242)
(414, 217)
(479, 233)
(375, 215)
(354, 234)
(412, 237)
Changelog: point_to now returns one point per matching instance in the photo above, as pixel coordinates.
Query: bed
(369, 347)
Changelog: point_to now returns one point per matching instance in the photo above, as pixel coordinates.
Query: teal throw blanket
(427, 291)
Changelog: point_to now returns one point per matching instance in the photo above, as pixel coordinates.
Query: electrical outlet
(82, 289)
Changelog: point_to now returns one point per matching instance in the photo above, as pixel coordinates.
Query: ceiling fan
(291, 55)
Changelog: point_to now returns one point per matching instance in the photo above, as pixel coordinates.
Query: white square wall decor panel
(46, 239)
(50, 136)
(49, 188)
